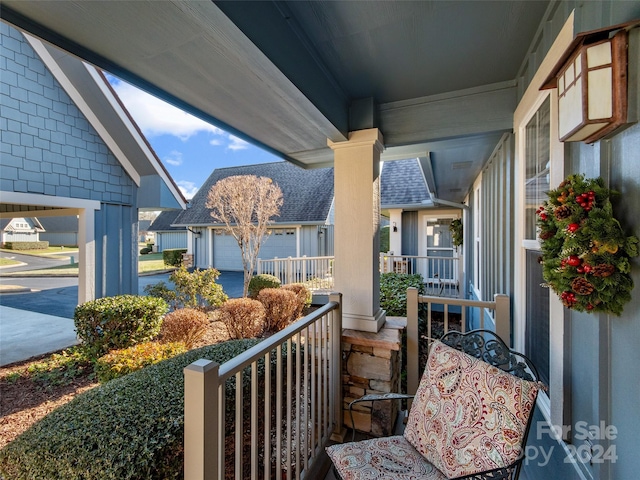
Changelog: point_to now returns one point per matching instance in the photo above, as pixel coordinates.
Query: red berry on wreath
(574, 260)
(573, 227)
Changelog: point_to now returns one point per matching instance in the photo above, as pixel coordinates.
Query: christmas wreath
(585, 253)
(456, 232)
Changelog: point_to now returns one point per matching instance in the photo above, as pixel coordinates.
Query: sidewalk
(25, 334)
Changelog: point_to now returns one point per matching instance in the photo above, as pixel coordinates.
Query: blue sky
(189, 148)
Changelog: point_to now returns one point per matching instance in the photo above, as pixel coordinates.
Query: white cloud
(156, 117)
(215, 142)
(187, 188)
(237, 143)
(174, 158)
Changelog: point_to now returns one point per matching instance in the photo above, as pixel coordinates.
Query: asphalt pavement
(36, 313)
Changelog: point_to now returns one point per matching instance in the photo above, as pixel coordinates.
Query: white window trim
(552, 407)
(477, 237)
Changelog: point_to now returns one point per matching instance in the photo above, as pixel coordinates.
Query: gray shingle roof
(164, 220)
(402, 183)
(307, 194)
(64, 224)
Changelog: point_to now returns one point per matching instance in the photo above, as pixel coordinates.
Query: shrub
(393, 292)
(303, 294)
(173, 256)
(243, 317)
(280, 307)
(258, 282)
(197, 289)
(118, 322)
(41, 245)
(145, 251)
(131, 428)
(117, 363)
(186, 325)
(162, 290)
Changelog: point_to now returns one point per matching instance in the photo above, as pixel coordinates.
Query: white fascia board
(57, 71)
(142, 144)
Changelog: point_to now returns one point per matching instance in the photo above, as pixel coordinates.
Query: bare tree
(246, 204)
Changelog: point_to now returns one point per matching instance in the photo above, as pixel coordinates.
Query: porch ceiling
(285, 75)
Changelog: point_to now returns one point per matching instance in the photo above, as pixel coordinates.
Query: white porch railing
(315, 272)
(441, 274)
(279, 424)
(500, 316)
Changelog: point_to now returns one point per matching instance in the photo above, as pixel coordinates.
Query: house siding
(65, 239)
(49, 148)
(168, 240)
(601, 349)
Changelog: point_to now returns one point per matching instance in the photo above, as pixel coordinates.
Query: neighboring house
(166, 235)
(69, 148)
(60, 231)
(143, 231)
(418, 222)
(20, 229)
(304, 226)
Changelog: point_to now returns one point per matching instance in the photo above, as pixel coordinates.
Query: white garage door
(226, 253)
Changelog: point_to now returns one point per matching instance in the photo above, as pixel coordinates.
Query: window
(536, 163)
(537, 159)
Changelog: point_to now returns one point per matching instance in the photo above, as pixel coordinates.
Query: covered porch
(455, 85)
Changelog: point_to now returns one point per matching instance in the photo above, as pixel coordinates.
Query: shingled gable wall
(49, 148)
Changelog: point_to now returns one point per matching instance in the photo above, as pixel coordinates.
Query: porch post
(86, 255)
(357, 223)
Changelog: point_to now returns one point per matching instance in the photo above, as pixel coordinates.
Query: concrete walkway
(25, 334)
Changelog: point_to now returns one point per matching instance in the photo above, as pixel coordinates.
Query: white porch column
(395, 237)
(86, 255)
(357, 222)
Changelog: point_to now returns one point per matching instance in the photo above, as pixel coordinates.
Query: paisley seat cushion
(468, 416)
(390, 458)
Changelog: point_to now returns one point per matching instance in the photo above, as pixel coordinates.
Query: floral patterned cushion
(468, 416)
(390, 458)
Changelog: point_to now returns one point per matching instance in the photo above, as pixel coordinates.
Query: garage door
(226, 253)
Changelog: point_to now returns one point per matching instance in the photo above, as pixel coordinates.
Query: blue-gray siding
(49, 148)
(171, 239)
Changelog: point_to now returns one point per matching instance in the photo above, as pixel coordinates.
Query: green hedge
(43, 245)
(173, 256)
(393, 292)
(118, 322)
(130, 428)
(259, 282)
(118, 363)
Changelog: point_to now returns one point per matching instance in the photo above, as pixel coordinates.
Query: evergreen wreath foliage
(585, 253)
(456, 232)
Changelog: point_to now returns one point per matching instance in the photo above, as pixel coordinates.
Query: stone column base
(371, 364)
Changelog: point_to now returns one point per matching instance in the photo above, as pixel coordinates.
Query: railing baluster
(314, 375)
(307, 353)
(298, 450)
(222, 418)
(254, 419)
(289, 405)
(239, 425)
(267, 415)
(279, 411)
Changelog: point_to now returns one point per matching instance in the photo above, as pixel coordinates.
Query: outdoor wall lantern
(395, 229)
(591, 78)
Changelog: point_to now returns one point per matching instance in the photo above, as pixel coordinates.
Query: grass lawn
(151, 262)
(7, 262)
(44, 252)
